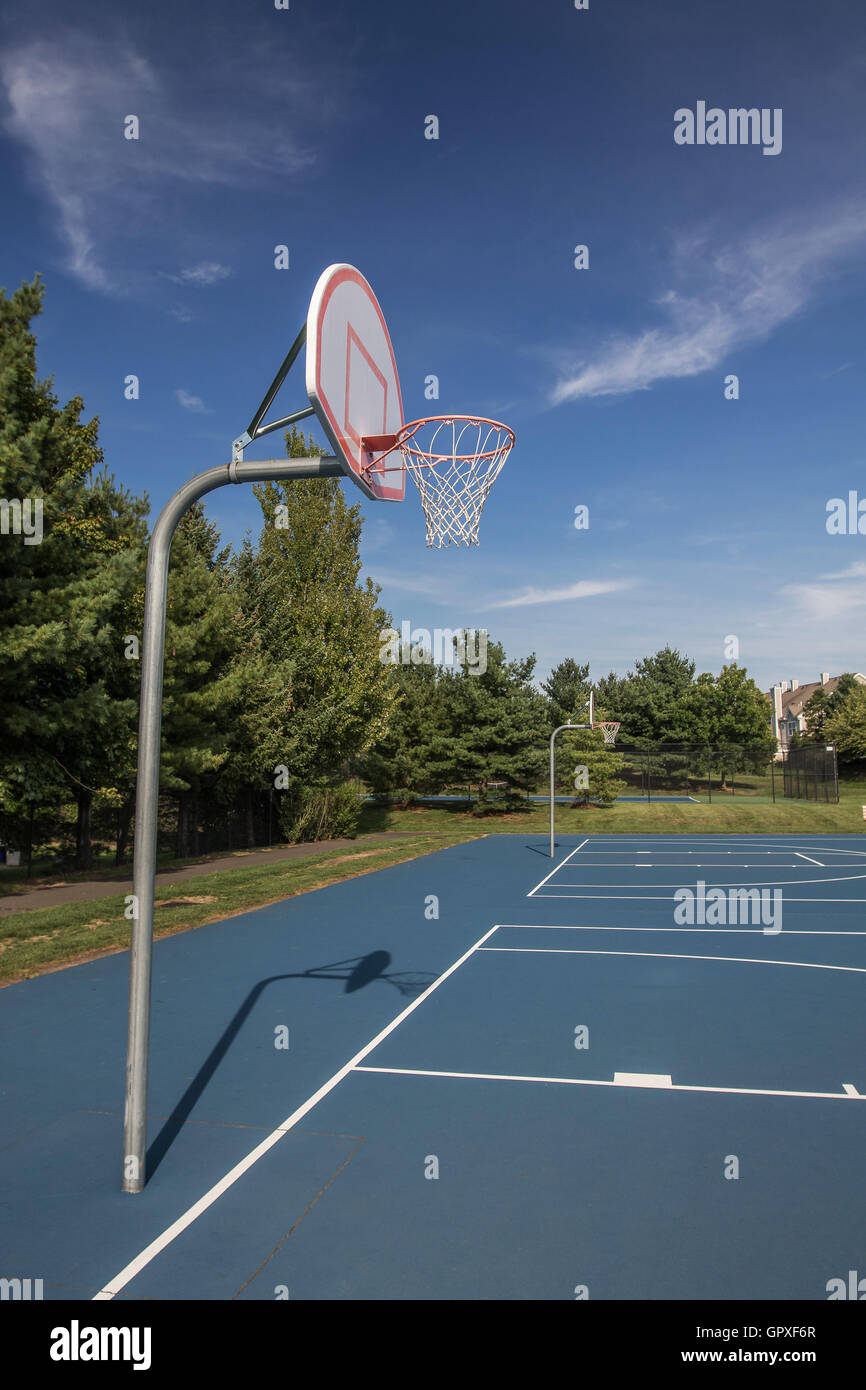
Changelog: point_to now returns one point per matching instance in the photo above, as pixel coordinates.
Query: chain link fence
(701, 772)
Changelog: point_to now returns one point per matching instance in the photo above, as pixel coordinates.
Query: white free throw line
(583, 1081)
(177, 1227)
(810, 859)
(558, 867)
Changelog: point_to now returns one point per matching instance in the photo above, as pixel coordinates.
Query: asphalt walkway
(82, 890)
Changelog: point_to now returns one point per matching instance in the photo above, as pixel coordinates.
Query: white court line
(669, 897)
(558, 867)
(734, 883)
(171, 1233)
(852, 1091)
(583, 1081)
(811, 861)
(753, 844)
(671, 955)
(719, 931)
(652, 1081)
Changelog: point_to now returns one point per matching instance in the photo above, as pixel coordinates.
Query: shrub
(494, 801)
(322, 813)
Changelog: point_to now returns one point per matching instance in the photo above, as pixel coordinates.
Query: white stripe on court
(671, 955)
(652, 1081)
(720, 931)
(811, 860)
(734, 883)
(583, 1081)
(171, 1233)
(852, 1091)
(669, 897)
(558, 867)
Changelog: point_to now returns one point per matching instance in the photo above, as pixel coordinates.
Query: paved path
(56, 894)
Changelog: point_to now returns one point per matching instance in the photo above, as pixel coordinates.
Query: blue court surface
(570, 1079)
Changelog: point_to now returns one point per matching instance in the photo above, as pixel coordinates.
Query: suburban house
(789, 699)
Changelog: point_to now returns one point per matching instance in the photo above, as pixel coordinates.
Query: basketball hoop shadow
(357, 972)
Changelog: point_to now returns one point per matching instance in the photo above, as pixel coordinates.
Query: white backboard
(352, 377)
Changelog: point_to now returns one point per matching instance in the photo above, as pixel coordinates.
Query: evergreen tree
(413, 756)
(593, 765)
(496, 722)
(327, 697)
(649, 701)
(567, 689)
(202, 691)
(66, 698)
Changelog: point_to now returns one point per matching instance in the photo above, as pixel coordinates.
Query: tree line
(272, 675)
(278, 706)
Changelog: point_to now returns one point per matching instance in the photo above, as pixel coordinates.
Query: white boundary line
(754, 843)
(685, 931)
(734, 883)
(844, 1094)
(177, 1227)
(672, 955)
(558, 867)
(669, 897)
(800, 855)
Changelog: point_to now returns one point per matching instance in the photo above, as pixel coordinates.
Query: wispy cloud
(68, 97)
(203, 275)
(722, 300)
(584, 588)
(833, 597)
(193, 403)
(855, 571)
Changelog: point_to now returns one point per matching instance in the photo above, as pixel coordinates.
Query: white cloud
(855, 571)
(68, 97)
(830, 602)
(193, 403)
(200, 276)
(585, 588)
(723, 300)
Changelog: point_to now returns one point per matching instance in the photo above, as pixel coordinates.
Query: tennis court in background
(481, 1074)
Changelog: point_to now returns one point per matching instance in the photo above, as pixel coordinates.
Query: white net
(610, 731)
(454, 461)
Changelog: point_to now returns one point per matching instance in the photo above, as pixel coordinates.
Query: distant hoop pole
(590, 703)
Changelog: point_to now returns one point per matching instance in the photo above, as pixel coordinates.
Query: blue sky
(306, 127)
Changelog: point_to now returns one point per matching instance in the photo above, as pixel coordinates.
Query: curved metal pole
(552, 739)
(147, 785)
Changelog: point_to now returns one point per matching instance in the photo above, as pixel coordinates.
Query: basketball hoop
(610, 729)
(454, 460)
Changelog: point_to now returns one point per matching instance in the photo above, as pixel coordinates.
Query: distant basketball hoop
(610, 729)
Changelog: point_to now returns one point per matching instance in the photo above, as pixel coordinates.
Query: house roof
(795, 701)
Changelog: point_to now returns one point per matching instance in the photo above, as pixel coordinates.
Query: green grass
(731, 815)
(34, 942)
